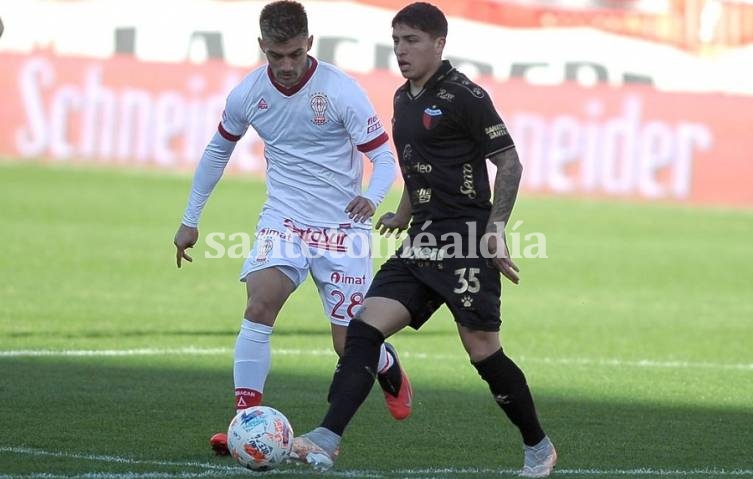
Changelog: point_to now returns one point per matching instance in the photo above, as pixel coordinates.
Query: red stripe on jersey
(288, 91)
(376, 142)
(226, 134)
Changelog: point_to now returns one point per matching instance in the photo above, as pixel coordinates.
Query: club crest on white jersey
(319, 105)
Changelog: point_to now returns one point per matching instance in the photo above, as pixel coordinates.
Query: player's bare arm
(398, 221)
(185, 238)
(506, 183)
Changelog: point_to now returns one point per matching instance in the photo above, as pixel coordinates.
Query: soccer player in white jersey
(315, 122)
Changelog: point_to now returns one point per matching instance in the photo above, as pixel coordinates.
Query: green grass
(635, 335)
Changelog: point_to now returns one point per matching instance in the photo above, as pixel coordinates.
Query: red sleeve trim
(227, 135)
(376, 142)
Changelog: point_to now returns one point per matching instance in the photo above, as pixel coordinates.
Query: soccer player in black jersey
(445, 127)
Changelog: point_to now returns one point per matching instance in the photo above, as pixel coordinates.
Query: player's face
(418, 54)
(288, 60)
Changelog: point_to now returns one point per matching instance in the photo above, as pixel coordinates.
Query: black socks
(354, 376)
(510, 389)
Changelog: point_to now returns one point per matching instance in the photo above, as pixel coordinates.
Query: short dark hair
(423, 16)
(283, 20)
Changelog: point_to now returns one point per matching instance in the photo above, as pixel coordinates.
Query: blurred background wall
(649, 100)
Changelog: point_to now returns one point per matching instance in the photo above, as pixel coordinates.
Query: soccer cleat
(539, 459)
(219, 444)
(308, 452)
(400, 401)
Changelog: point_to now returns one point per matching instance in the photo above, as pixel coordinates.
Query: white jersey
(314, 134)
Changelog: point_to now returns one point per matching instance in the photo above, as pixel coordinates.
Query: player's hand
(185, 238)
(501, 258)
(360, 209)
(391, 223)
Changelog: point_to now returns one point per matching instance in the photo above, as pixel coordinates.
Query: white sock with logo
(252, 362)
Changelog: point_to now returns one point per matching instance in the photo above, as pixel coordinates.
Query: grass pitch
(635, 335)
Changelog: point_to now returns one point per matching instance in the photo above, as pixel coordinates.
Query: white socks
(252, 362)
(253, 358)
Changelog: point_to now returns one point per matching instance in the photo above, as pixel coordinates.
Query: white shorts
(339, 260)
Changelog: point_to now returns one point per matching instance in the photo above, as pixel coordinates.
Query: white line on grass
(209, 469)
(112, 459)
(584, 472)
(196, 351)
(370, 475)
(214, 470)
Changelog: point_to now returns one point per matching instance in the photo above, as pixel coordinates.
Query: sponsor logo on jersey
(262, 105)
(421, 168)
(468, 188)
(329, 239)
(283, 235)
(373, 125)
(339, 277)
(431, 117)
(445, 95)
(423, 253)
(423, 195)
(319, 102)
(495, 131)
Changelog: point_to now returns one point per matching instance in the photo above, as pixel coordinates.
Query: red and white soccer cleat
(219, 444)
(400, 404)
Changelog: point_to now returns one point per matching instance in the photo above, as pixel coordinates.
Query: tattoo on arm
(506, 183)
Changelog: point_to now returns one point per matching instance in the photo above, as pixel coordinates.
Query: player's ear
(439, 45)
(262, 45)
(310, 42)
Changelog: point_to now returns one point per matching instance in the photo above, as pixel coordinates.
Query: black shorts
(470, 287)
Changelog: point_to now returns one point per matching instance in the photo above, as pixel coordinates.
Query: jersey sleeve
(484, 123)
(360, 119)
(234, 121)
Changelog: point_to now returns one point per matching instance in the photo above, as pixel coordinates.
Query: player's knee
(260, 311)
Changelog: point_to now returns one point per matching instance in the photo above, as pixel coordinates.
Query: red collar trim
(288, 91)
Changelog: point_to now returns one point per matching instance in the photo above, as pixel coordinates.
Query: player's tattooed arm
(509, 171)
(506, 183)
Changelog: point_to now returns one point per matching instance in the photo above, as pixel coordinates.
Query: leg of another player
(510, 390)
(395, 384)
(379, 318)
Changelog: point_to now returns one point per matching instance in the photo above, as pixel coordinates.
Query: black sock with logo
(510, 389)
(354, 376)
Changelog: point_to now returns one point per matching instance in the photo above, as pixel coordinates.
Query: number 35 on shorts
(467, 281)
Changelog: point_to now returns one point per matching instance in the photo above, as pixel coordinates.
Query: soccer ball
(260, 438)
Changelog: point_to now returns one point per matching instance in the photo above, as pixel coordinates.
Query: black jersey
(443, 136)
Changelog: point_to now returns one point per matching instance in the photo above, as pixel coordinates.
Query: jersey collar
(292, 90)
